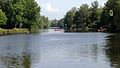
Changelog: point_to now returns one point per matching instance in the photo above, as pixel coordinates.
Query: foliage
(81, 17)
(112, 23)
(95, 14)
(57, 23)
(68, 20)
(3, 18)
(46, 22)
(94, 18)
(23, 14)
(54, 23)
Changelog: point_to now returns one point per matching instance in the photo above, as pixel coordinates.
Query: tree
(81, 17)
(104, 19)
(45, 22)
(95, 14)
(21, 13)
(112, 22)
(117, 16)
(54, 23)
(68, 20)
(61, 23)
(31, 13)
(3, 18)
(84, 12)
(5, 6)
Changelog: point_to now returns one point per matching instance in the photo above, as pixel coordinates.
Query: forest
(26, 14)
(92, 18)
(21, 14)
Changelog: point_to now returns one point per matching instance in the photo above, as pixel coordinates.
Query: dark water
(60, 50)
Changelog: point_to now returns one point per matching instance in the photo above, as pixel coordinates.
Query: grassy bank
(13, 31)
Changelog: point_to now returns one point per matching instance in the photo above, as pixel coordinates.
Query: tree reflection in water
(113, 50)
(17, 61)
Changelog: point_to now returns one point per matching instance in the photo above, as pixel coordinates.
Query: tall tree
(81, 17)
(3, 18)
(20, 13)
(31, 13)
(54, 23)
(95, 12)
(45, 22)
(61, 23)
(68, 20)
(112, 15)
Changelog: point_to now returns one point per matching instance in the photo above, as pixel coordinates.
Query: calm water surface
(60, 50)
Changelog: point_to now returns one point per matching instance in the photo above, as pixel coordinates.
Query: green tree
(68, 20)
(81, 17)
(117, 16)
(45, 21)
(111, 21)
(54, 23)
(3, 18)
(5, 5)
(95, 14)
(31, 14)
(61, 23)
(104, 18)
(21, 13)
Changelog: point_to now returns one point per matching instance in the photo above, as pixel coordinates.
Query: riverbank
(13, 31)
(81, 30)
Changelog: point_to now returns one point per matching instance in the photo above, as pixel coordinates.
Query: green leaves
(3, 18)
(68, 20)
(83, 18)
(45, 21)
(110, 15)
(25, 12)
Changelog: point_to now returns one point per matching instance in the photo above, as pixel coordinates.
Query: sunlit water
(56, 49)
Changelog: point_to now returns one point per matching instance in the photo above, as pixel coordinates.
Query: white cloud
(49, 7)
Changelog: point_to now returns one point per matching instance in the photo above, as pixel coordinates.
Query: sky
(56, 9)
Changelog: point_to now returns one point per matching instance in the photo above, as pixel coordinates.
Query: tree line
(57, 23)
(21, 14)
(94, 17)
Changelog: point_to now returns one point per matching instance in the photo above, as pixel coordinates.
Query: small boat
(58, 29)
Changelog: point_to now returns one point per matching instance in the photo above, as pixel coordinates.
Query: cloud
(49, 7)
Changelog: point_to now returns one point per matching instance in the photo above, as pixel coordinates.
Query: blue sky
(58, 8)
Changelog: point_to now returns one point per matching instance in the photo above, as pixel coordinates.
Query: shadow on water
(60, 50)
(14, 51)
(17, 61)
(113, 50)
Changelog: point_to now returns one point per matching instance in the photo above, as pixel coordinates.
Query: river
(56, 49)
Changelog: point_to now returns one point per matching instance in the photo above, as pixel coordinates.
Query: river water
(55, 49)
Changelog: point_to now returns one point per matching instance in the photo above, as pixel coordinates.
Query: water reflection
(14, 51)
(60, 50)
(71, 50)
(16, 61)
(113, 50)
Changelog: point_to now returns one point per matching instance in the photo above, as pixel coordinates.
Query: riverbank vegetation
(94, 17)
(26, 14)
(13, 31)
(21, 14)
